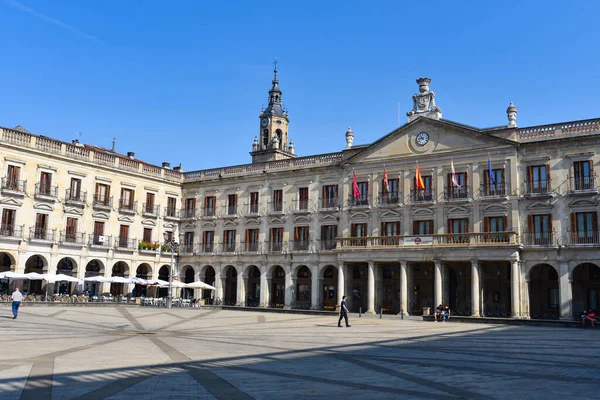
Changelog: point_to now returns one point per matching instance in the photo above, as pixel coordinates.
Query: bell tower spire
(273, 130)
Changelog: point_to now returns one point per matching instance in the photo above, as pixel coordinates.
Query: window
(190, 208)
(252, 239)
(392, 195)
(169, 236)
(13, 175)
(583, 175)
(45, 187)
(71, 230)
(495, 224)
(390, 229)
(124, 235)
(301, 238)
(98, 228)
(425, 194)
(208, 238)
(41, 226)
(231, 204)
(229, 240)
(8, 222)
(102, 194)
(277, 200)
(496, 187)
(253, 202)
(358, 231)
(553, 299)
(209, 206)
(330, 196)
(303, 198)
(149, 207)
(423, 227)
(328, 236)
(276, 239)
(363, 198)
(540, 230)
(148, 235)
(171, 206)
(126, 199)
(460, 191)
(75, 190)
(188, 242)
(538, 179)
(458, 226)
(584, 227)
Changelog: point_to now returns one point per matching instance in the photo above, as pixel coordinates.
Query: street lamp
(172, 246)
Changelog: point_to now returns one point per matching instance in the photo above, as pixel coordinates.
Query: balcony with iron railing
(327, 244)
(13, 186)
(71, 237)
(583, 185)
(251, 247)
(46, 191)
(96, 240)
(276, 246)
(187, 248)
(275, 207)
(492, 191)
(206, 248)
(418, 196)
(456, 193)
(171, 213)
(208, 213)
(187, 213)
(102, 202)
(300, 245)
(125, 243)
(388, 199)
(301, 206)
(12, 231)
(438, 240)
(150, 210)
(538, 188)
(582, 238)
(360, 201)
(76, 197)
(228, 247)
(540, 239)
(229, 210)
(329, 204)
(127, 206)
(43, 234)
(251, 210)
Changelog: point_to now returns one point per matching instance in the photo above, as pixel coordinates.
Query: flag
(454, 182)
(419, 179)
(490, 171)
(386, 185)
(355, 189)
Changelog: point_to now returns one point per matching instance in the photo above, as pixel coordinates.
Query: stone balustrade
(555, 131)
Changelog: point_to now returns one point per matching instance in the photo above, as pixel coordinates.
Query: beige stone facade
(520, 240)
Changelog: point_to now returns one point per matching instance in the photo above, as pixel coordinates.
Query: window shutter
(529, 176)
(505, 223)
(573, 222)
(450, 226)
(595, 223)
(467, 181)
(486, 224)
(336, 190)
(530, 224)
(415, 227)
(449, 180)
(467, 225)
(550, 223)
(383, 232)
(548, 176)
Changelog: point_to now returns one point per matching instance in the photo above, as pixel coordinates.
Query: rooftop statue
(424, 102)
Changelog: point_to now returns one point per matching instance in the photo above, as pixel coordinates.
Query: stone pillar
(378, 287)
(475, 289)
(437, 284)
(371, 288)
(315, 288)
(241, 290)
(264, 301)
(515, 278)
(340, 284)
(290, 290)
(403, 288)
(565, 292)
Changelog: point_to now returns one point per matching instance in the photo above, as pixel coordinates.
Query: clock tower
(272, 142)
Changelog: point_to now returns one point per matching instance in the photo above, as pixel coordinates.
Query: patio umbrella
(120, 279)
(200, 285)
(12, 275)
(59, 278)
(178, 284)
(100, 279)
(140, 281)
(158, 282)
(34, 276)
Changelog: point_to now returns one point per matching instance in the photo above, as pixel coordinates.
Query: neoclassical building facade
(500, 221)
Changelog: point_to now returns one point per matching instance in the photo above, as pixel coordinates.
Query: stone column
(565, 292)
(264, 290)
(403, 288)
(340, 284)
(240, 290)
(475, 288)
(437, 284)
(515, 278)
(371, 288)
(289, 288)
(315, 288)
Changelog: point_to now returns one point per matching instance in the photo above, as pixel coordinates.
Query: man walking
(16, 298)
(343, 313)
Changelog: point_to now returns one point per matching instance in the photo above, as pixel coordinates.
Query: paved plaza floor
(146, 353)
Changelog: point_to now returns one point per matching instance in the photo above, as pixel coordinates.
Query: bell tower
(272, 141)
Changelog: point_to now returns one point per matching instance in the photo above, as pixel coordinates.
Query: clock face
(265, 122)
(422, 138)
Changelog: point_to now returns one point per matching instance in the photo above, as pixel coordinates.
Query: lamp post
(172, 246)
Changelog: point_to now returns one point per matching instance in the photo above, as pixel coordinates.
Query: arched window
(279, 138)
(265, 138)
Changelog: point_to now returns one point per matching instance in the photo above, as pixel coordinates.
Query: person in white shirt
(17, 296)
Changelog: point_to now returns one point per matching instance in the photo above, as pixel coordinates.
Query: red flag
(419, 179)
(386, 185)
(355, 189)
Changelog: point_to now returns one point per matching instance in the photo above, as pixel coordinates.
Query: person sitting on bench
(439, 313)
(446, 313)
(591, 316)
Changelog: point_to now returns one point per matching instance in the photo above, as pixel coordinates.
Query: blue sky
(184, 81)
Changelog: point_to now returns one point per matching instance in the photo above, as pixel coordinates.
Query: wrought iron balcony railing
(186, 248)
(69, 236)
(300, 245)
(187, 213)
(276, 246)
(11, 230)
(13, 185)
(206, 248)
(127, 206)
(251, 247)
(150, 209)
(538, 239)
(361, 201)
(124, 243)
(583, 237)
(493, 190)
(388, 199)
(251, 209)
(36, 233)
(46, 191)
(456, 193)
(208, 212)
(301, 206)
(102, 201)
(329, 203)
(583, 184)
(275, 207)
(452, 239)
(327, 244)
(76, 196)
(228, 247)
(171, 212)
(538, 187)
(426, 195)
(229, 210)
(99, 240)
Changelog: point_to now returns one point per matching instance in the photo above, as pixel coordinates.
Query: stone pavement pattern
(127, 352)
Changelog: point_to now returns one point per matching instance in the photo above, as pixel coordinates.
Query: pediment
(230, 223)
(9, 201)
(149, 222)
(579, 203)
(389, 214)
(301, 219)
(458, 210)
(495, 209)
(423, 212)
(329, 218)
(169, 225)
(73, 211)
(252, 221)
(43, 206)
(359, 215)
(126, 219)
(443, 137)
(276, 221)
(100, 215)
(540, 205)
(207, 224)
(189, 225)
